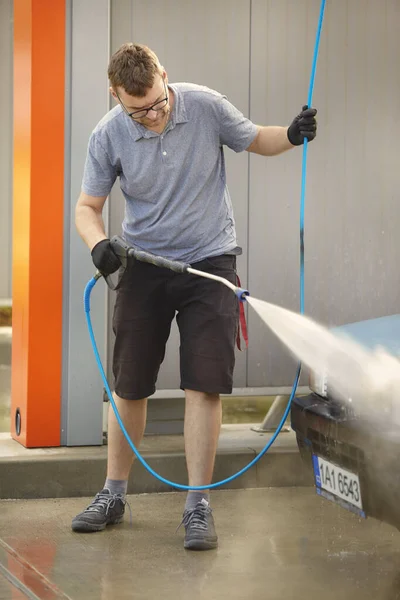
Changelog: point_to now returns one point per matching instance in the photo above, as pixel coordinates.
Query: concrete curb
(76, 472)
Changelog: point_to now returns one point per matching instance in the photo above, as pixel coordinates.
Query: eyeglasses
(142, 113)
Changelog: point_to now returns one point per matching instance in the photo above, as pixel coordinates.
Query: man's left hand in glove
(303, 126)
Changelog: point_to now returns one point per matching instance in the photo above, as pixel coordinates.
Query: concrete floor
(274, 543)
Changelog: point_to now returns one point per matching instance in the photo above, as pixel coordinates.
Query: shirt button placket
(163, 151)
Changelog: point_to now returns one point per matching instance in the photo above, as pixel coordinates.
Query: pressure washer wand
(240, 292)
(126, 253)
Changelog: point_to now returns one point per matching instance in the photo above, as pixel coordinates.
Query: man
(165, 143)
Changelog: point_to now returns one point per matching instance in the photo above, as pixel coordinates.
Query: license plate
(340, 484)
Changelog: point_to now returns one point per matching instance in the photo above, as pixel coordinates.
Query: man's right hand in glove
(104, 258)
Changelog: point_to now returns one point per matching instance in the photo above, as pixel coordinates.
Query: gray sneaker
(199, 527)
(106, 509)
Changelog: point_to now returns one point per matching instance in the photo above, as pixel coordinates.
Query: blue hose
(92, 282)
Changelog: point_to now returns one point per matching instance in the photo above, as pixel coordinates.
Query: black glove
(104, 258)
(303, 126)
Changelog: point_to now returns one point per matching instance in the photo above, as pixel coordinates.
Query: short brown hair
(133, 67)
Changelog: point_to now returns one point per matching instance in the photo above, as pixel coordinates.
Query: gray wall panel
(196, 42)
(281, 51)
(352, 251)
(6, 145)
(82, 386)
(352, 247)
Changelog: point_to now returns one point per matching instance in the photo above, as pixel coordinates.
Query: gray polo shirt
(177, 201)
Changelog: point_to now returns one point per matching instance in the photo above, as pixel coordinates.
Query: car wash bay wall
(259, 54)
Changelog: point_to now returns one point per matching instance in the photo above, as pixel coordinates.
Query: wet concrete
(274, 543)
(6, 589)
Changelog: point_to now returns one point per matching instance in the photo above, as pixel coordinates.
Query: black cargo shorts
(207, 314)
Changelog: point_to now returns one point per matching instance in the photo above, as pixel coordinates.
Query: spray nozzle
(242, 293)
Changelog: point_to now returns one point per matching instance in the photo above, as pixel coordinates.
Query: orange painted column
(38, 217)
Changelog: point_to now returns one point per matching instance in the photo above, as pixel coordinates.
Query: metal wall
(87, 100)
(259, 53)
(6, 145)
(352, 210)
